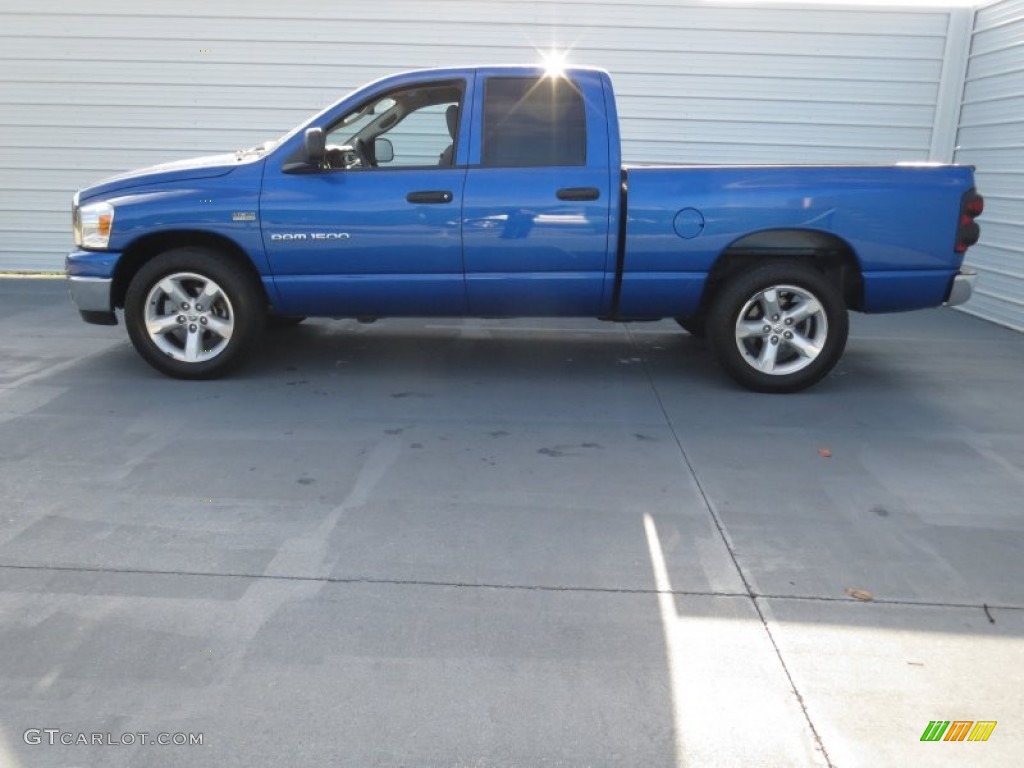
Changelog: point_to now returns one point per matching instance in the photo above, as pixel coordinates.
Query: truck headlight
(93, 225)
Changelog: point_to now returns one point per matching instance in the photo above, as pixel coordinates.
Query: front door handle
(430, 196)
(579, 193)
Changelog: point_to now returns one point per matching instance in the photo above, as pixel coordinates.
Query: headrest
(451, 115)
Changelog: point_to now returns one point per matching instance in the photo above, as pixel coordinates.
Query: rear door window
(530, 122)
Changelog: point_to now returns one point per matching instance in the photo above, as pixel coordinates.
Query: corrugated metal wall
(991, 136)
(88, 89)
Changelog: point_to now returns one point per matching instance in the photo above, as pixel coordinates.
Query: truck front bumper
(962, 287)
(90, 283)
(92, 297)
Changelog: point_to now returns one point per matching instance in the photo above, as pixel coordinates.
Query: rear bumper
(962, 287)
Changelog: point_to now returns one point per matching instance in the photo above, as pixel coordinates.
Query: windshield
(269, 146)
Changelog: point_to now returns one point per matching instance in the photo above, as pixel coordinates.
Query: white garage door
(88, 89)
(991, 137)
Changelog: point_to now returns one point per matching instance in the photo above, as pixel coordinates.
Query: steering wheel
(335, 156)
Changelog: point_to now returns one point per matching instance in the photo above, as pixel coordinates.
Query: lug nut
(789, 321)
(192, 328)
(199, 307)
(203, 320)
(789, 334)
(181, 318)
(767, 329)
(775, 339)
(184, 305)
(775, 317)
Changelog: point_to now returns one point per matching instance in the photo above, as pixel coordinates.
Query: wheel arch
(146, 247)
(829, 253)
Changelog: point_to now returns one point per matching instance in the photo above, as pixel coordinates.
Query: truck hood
(205, 167)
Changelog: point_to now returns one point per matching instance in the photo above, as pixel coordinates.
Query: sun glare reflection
(554, 62)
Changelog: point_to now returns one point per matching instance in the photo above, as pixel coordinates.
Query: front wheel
(194, 314)
(780, 327)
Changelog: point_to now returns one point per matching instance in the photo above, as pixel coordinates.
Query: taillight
(968, 232)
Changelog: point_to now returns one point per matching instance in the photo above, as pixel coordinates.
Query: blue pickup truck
(500, 192)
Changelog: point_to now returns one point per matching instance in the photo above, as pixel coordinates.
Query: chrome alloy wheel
(189, 317)
(781, 330)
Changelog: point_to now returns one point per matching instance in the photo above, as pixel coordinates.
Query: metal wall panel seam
(951, 86)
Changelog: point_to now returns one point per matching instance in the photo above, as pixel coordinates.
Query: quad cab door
(377, 229)
(538, 196)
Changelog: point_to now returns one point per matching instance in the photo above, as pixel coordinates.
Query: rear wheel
(780, 327)
(193, 314)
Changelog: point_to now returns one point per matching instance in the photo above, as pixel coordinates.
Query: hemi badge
(243, 216)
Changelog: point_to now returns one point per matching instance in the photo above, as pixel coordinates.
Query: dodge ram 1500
(499, 192)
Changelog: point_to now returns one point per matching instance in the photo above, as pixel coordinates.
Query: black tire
(276, 322)
(695, 325)
(179, 336)
(803, 351)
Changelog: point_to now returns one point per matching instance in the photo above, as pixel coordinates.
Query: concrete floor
(523, 543)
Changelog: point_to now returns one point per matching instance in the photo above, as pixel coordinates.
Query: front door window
(414, 127)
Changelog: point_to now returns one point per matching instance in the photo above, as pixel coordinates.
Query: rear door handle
(579, 193)
(430, 196)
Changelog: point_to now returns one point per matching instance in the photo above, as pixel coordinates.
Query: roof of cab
(525, 70)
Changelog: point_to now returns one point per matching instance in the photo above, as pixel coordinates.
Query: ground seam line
(491, 585)
(728, 546)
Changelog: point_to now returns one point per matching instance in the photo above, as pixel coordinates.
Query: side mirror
(383, 150)
(314, 143)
